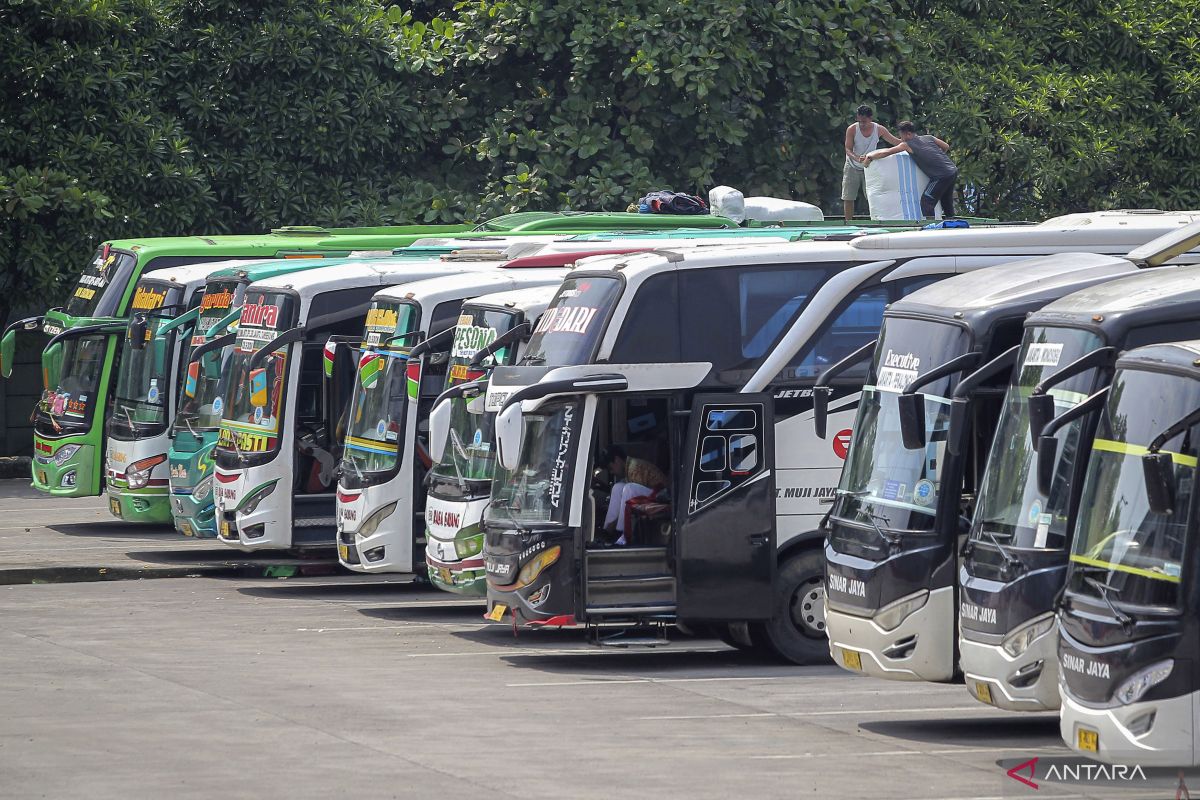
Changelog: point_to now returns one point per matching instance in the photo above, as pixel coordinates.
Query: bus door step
(635, 636)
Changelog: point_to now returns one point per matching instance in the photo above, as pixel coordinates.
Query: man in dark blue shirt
(929, 153)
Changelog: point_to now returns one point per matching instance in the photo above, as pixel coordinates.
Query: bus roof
(532, 301)
(1161, 293)
(548, 222)
(981, 297)
(1181, 356)
(198, 273)
(359, 272)
(469, 284)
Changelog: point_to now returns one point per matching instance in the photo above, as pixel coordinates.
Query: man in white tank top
(861, 138)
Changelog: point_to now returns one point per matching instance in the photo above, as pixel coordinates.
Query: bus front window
(98, 291)
(253, 408)
(1124, 550)
(885, 485)
(570, 329)
(144, 375)
(68, 406)
(536, 491)
(201, 382)
(1011, 509)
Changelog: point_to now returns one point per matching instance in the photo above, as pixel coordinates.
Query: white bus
(702, 362)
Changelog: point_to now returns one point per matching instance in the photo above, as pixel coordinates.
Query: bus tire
(796, 632)
(734, 634)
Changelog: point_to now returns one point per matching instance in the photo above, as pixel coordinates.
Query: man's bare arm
(875, 155)
(945, 147)
(886, 135)
(850, 143)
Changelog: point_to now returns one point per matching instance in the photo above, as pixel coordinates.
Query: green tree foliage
(85, 150)
(298, 110)
(1066, 105)
(588, 103)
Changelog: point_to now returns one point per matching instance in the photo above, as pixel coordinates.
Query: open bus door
(725, 513)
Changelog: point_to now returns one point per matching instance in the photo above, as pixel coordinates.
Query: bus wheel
(797, 630)
(734, 634)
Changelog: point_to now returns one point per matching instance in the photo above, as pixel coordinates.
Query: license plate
(445, 575)
(1088, 739)
(225, 532)
(852, 659)
(344, 552)
(186, 529)
(983, 692)
(42, 478)
(497, 612)
(115, 507)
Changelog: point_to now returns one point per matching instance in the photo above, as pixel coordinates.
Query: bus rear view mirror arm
(960, 402)
(822, 390)
(285, 338)
(102, 329)
(1042, 410)
(136, 333)
(432, 343)
(211, 345)
(1047, 445)
(912, 404)
(514, 335)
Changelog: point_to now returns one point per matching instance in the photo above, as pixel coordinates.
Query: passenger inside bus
(632, 491)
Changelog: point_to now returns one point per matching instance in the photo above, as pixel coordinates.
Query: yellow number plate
(852, 659)
(344, 552)
(186, 528)
(497, 612)
(1088, 740)
(983, 692)
(42, 478)
(225, 532)
(115, 507)
(445, 575)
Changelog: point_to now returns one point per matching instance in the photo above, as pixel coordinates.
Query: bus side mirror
(509, 433)
(1041, 411)
(1158, 471)
(137, 332)
(478, 404)
(51, 364)
(439, 430)
(8, 347)
(1047, 451)
(821, 396)
(912, 420)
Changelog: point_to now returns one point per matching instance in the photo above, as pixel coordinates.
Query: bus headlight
(203, 489)
(469, 546)
(65, 453)
(250, 504)
(371, 523)
(889, 618)
(530, 572)
(1019, 640)
(1140, 682)
(138, 473)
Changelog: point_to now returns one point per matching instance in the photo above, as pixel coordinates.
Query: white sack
(894, 186)
(725, 201)
(774, 209)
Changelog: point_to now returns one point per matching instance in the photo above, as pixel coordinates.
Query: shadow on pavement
(114, 529)
(340, 588)
(433, 611)
(1033, 730)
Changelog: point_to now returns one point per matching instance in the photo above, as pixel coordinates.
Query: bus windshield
(252, 403)
(884, 484)
(201, 383)
(1011, 509)
(70, 403)
(1123, 550)
(569, 332)
(536, 490)
(469, 456)
(144, 376)
(99, 289)
(379, 401)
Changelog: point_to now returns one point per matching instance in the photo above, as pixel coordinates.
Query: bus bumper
(920, 648)
(1028, 682)
(141, 505)
(76, 476)
(1120, 735)
(465, 577)
(194, 517)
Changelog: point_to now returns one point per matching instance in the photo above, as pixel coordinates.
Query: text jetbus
(1014, 564)
(1129, 637)
(907, 491)
(698, 361)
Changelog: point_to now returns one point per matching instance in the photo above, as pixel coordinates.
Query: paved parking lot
(229, 684)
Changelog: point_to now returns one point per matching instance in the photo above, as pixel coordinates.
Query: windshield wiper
(188, 422)
(357, 469)
(518, 526)
(1009, 558)
(456, 447)
(890, 539)
(1103, 589)
(236, 449)
(534, 358)
(129, 417)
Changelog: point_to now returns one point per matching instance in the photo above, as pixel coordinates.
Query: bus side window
(856, 324)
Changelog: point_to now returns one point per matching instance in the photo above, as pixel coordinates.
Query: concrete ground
(229, 686)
